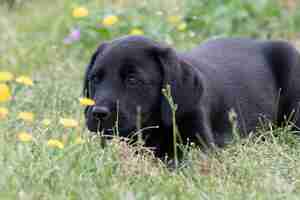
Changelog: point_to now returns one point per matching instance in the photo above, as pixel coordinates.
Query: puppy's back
(269, 69)
(237, 53)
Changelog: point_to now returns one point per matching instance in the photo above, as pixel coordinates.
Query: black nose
(101, 112)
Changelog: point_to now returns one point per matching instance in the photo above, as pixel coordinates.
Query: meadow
(46, 152)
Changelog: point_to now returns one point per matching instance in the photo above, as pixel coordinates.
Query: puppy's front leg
(199, 130)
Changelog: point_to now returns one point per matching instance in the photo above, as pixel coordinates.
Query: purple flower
(73, 36)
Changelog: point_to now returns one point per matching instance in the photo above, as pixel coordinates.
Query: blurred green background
(31, 26)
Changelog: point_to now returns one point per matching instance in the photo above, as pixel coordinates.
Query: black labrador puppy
(259, 80)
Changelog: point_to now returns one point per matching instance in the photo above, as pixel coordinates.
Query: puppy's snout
(101, 112)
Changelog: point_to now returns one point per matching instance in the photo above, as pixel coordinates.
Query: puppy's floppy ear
(89, 67)
(185, 81)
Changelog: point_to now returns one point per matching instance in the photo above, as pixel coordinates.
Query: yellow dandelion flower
(46, 122)
(3, 112)
(137, 31)
(174, 19)
(86, 101)
(68, 122)
(79, 140)
(182, 26)
(25, 80)
(26, 116)
(24, 137)
(5, 94)
(54, 143)
(6, 76)
(110, 20)
(80, 12)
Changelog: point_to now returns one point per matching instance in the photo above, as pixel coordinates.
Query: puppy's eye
(131, 80)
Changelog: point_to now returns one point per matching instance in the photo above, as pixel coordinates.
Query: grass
(31, 41)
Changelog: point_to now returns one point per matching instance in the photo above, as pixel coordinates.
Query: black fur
(257, 79)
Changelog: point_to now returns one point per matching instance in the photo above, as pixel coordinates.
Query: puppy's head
(127, 74)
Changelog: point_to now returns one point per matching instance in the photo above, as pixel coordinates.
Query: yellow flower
(110, 20)
(6, 76)
(174, 19)
(68, 123)
(79, 140)
(24, 137)
(5, 94)
(55, 144)
(25, 80)
(80, 12)
(182, 26)
(3, 112)
(86, 101)
(26, 116)
(46, 122)
(137, 31)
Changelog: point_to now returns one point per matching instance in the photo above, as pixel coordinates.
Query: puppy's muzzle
(101, 112)
(105, 120)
